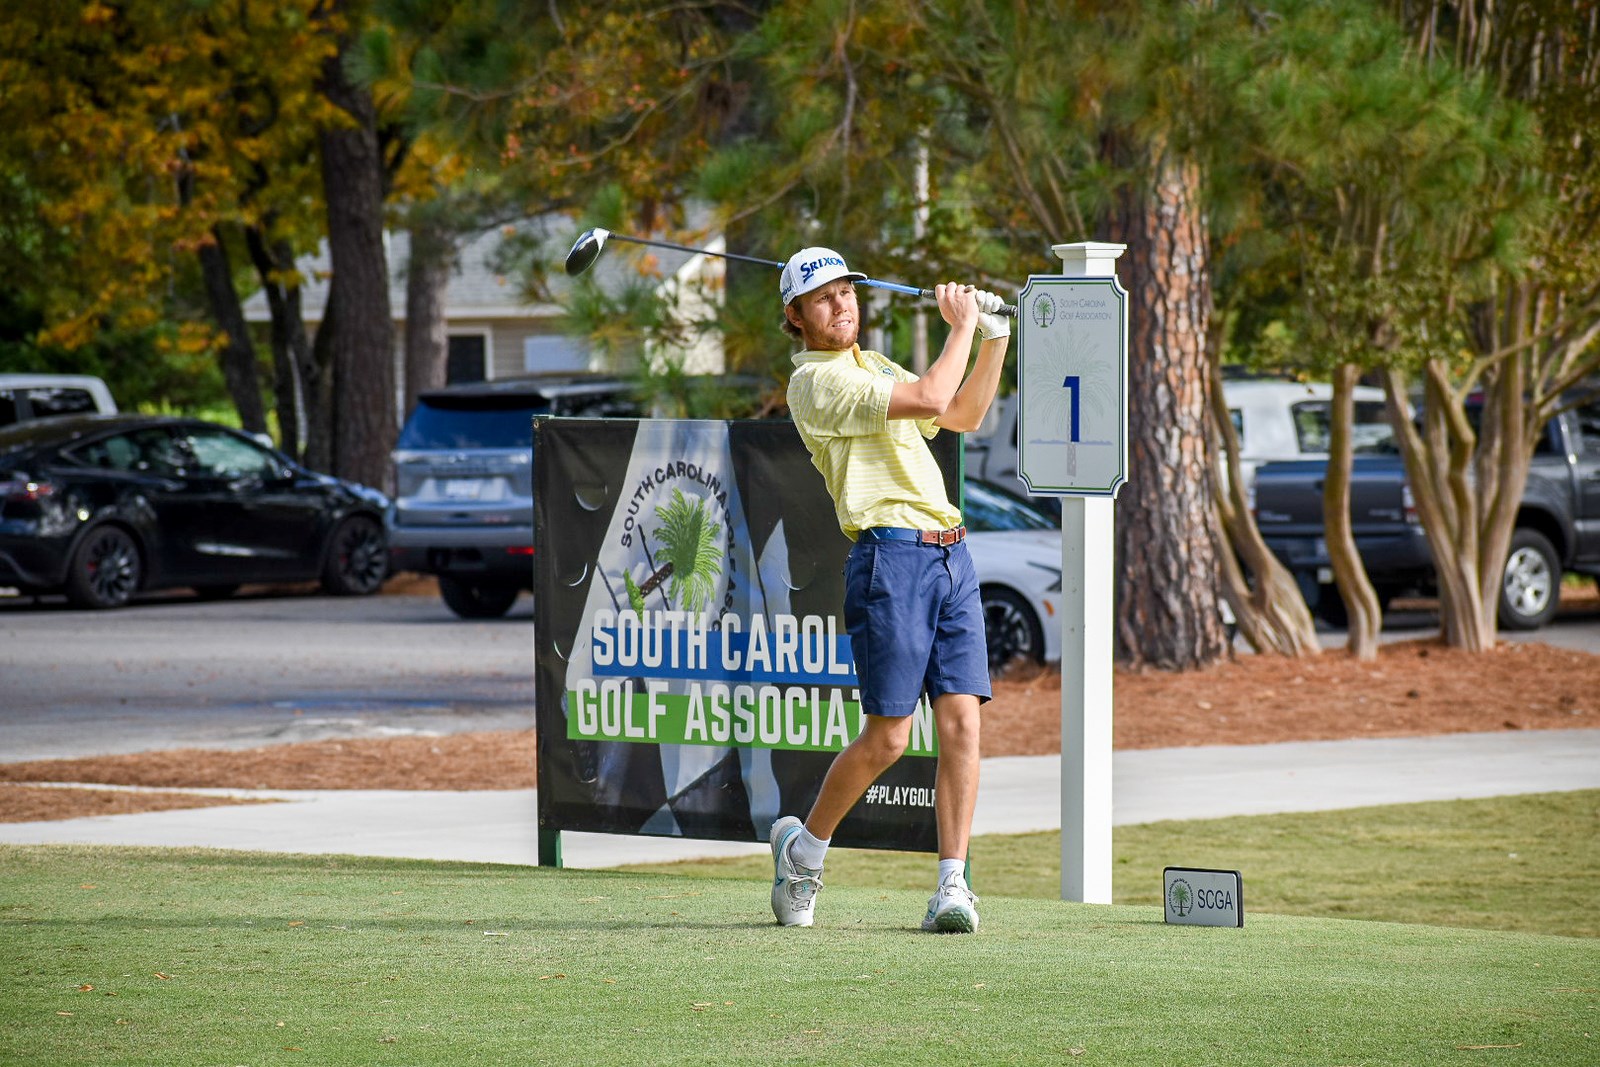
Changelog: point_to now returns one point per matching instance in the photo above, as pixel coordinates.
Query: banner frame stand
(549, 848)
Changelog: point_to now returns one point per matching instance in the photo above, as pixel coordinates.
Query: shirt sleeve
(848, 402)
(928, 427)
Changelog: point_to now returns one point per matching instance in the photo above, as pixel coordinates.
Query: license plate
(462, 488)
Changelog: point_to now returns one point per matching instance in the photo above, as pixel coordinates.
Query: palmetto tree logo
(689, 558)
(1180, 898)
(1044, 310)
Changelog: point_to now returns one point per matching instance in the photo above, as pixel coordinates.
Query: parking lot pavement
(1019, 794)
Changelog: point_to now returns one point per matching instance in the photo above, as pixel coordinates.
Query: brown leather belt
(942, 538)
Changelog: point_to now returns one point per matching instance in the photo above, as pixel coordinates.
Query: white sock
(952, 869)
(807, 850)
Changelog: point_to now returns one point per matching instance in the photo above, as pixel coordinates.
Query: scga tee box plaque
(1198, 896)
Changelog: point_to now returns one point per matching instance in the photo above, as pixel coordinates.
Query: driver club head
(585, 250)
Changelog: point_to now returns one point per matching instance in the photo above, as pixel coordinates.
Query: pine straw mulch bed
(1414, 688)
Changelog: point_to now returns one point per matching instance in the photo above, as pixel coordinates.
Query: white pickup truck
(39, 396)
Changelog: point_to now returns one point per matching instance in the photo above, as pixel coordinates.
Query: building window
(466, 362)
(554, 353)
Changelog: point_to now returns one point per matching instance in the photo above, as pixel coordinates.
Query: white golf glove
(991, 323)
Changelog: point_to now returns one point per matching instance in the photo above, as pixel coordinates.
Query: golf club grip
(1008, 310)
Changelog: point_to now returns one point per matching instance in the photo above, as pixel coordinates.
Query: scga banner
(693, 674)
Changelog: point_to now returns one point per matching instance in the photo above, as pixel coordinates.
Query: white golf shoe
(794, 888)
(952, 910)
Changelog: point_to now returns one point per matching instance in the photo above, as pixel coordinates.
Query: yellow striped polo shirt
(879, 471)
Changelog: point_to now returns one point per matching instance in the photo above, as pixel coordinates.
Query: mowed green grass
(120, 956)
(1528, 863)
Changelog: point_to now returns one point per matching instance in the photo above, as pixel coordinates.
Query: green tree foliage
(1532, 330)
(603, 112)
(141, 128)
(1374, 167)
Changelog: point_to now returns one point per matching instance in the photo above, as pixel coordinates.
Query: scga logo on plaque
(1198, 896)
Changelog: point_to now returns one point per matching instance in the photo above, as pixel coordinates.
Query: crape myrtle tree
(1531, 331)
(1374, 162)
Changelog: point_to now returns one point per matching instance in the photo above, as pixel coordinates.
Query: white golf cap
(812, 268)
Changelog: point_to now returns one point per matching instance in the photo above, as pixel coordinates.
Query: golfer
(911, 597)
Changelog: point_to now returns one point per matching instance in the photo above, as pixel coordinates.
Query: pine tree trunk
(238, 356)
(427, 283)
(1167, 610)
(360, 325)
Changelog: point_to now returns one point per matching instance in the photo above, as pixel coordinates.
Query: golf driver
(590, 243)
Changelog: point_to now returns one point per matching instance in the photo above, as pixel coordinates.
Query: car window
(148, 451)
(1236, 416)
(119, 453)
(60, 400)
(1370, 430)
(1588, 420)
(437, 425)
(986, 509)
(597, 407)
(8, 407)
(219, 454)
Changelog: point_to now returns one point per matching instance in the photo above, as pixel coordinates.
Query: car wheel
(355, 564)
(1531, 587)
(216, 592)
(476, 601)
(106, 570)
(1010, 627)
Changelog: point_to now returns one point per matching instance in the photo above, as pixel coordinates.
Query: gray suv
(463, 506)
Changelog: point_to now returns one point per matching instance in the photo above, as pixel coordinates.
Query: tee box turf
(1199, 896)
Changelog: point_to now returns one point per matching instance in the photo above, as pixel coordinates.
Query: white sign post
(1072, 440)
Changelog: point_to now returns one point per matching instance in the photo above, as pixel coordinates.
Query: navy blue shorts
(916, 624)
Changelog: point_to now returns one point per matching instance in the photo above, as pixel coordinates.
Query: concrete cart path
(1019, 794)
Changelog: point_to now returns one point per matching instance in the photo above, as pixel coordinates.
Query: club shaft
(910, 290)
(693, 251)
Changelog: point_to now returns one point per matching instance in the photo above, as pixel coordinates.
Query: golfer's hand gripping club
(1008, 310)
(991, 323)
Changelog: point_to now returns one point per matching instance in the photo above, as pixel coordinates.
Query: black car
(100, 507)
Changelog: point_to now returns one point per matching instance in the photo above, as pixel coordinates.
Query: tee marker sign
(1198, 896)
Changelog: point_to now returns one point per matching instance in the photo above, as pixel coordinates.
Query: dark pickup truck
(1557, 530)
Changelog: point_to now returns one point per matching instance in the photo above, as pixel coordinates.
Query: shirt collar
(815, 356)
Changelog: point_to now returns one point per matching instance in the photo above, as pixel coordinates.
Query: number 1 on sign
(1073, 390)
